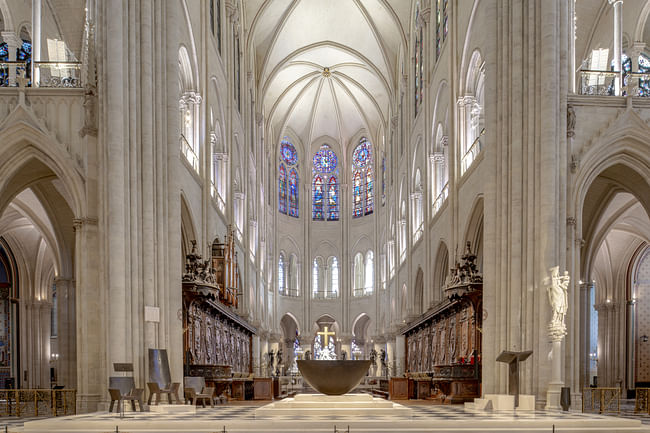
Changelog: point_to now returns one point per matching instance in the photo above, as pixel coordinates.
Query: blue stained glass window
(333, 199)
(293, 193)
(357, 206)
(317, 208)
(4, 72)
(644, 68)
(325, 160)
(24, 54)
(288, 152)
(362, 153)
(362, 183)
(369, 197)
(282, 189)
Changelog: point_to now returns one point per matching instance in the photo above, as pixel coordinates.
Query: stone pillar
(36, 40)
(66, 363)
(345, 341)
(618, 43)
(631, 342)
(91, 320)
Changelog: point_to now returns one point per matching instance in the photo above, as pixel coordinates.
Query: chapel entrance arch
(615, 230)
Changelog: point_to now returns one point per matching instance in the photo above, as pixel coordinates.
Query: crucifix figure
(326, 335)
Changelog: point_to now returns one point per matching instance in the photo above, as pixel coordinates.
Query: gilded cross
(326, 334)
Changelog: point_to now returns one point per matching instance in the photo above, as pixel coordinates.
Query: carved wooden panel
(211, 340)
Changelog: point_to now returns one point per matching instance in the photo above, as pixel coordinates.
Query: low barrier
(38, 402)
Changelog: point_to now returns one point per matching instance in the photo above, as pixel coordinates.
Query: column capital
(79, 223)
(615, 2)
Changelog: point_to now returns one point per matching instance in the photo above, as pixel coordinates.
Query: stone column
(36, 40)
(255, 355)
(66, 364)
(631, 342)
(618, 43)
(345, 341)
(390, 357)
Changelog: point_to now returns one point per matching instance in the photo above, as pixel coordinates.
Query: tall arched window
(315, 277)
(4, 71)
(417, 57)
(369, 273)
(282, 189)
(189, 106)
(417, 214)
(215, 21)
(472, 113)
(317, 206)
(359, 280)
(644, 68)
(441, 25)
(325, 197)
(294, 276)
(288, 182)
(362, 179)
(333, 277)
(293, 193)
(281, 281)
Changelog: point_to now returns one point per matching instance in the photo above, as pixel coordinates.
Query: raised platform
(328, 406)
(240, 418)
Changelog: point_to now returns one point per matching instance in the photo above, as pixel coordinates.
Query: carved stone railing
(38, 402)
(291, 293)
(440, 199)
(50, 74)
(602, 83)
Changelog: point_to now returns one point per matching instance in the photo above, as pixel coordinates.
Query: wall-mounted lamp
(54, 357)
(644, 338)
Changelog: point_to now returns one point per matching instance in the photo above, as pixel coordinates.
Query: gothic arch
(440, 270)
(188, 231)
(418, 292)
(474, 231)
(6, 16)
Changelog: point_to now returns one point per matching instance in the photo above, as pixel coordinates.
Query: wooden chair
(123, 389)
(154, 389)
(195, 391)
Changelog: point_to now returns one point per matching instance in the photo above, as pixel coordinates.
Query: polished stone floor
(239, 417)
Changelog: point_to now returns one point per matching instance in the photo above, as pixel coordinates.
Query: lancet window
(362, 179)
(288, 179)
(441, 24)
(417, 56)
(325, 186)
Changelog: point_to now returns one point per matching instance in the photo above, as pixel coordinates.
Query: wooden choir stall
(443, 347)
(217, 342)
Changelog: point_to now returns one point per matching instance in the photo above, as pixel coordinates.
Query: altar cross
(326, 334)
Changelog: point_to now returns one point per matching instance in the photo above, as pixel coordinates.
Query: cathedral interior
(240, 185)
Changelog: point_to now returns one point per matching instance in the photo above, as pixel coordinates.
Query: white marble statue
(558, 298)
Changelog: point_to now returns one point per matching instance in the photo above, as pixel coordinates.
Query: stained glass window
(288, 152)
(325, 160)
(383, 181)
(282, 188)
(442, 25)
(333, 199)
(419, 68)
(288, 167)
(293, 193)
(317, 208)
(325, 168)
(357, 205)
(362, 179)
(24, 54)
(281, 273)
(4, 72)
(644, 68)
(369, 202)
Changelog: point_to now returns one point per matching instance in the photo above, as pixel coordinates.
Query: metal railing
(440, 199)
(285, 291)
(601, 400)
(49, 74)
(322, 294)
(471, 153)
(38, 402)
(362, 291)
(189, 154)
(603, 83)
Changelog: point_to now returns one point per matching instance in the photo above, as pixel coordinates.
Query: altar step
(502, 402)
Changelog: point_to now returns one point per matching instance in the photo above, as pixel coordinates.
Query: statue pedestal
(556, 384)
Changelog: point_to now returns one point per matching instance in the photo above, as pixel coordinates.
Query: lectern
(513, 359)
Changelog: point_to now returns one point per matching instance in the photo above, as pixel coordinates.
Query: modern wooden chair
(123, 389)
(154, 389)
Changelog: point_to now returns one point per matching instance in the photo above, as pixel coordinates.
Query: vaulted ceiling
(327, 67)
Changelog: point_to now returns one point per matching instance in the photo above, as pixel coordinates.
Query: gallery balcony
(48, 74)
(603, 83)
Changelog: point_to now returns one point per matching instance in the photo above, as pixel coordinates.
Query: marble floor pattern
(426, 417)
